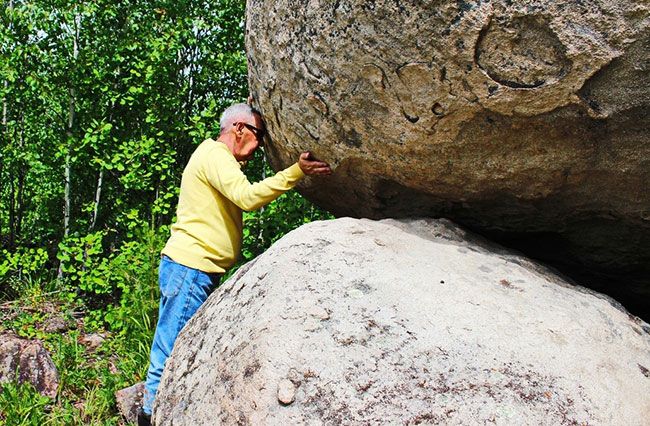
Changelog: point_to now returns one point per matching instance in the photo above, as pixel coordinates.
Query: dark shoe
(144, 419)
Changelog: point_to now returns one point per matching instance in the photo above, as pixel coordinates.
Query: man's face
(249, 136)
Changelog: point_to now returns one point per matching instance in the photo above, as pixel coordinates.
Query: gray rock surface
(526, 120)
(364, 322)
(28, 361)
(129, 400)
(92, 341)
(57, 324)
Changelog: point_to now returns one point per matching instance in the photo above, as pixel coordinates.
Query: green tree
(103, 102)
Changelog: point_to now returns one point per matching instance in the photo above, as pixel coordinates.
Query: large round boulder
(527, 120)
(353, 321)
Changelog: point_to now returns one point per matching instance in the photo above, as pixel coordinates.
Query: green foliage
(26, 325)
(24, 261)
(22, 405)
(118, 94)
(134, 273)
(90, 377)
(82, 262)
(21, 272)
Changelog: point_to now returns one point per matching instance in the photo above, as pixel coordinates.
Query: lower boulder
(385, 322)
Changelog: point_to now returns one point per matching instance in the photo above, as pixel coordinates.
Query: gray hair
(234, 113)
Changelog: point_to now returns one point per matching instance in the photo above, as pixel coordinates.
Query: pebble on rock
(286, 392)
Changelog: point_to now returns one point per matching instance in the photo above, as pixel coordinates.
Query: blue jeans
(182, 291)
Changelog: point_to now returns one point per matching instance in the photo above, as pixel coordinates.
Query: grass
(88, 376)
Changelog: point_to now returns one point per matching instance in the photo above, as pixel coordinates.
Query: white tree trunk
(98, 194)
(4, 106)
(4, 117)
(69, 134)
(4, 135)
(6, 83)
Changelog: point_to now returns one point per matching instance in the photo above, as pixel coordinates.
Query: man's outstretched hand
(312, 166)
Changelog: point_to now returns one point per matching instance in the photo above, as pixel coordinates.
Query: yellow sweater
(214, 191)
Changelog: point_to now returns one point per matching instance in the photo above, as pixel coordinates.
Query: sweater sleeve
(225, 175)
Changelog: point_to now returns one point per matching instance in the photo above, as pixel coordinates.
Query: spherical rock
(527, 120)
(425, 324)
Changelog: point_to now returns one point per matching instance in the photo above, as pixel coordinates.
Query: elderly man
(206, 238)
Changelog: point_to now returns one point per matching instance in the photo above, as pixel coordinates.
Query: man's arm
(226, 176)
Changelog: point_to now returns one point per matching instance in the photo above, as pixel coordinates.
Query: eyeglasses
(259, 133)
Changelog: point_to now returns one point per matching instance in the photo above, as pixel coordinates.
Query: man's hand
(312, 166)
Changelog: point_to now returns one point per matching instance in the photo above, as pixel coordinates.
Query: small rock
(286, 392)
(312, 324)
(25, 360)
(92, 341)
(355, 293)
(129, 400)
(295, 377)
(56, 325)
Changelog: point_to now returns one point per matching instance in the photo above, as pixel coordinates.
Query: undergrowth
(117, 301)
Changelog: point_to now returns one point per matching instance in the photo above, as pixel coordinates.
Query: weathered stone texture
(363, 322)
(27, 361)
(129, 400)
(526, 120)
